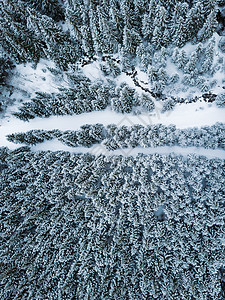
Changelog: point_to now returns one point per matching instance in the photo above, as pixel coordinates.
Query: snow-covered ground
(55, 145)
(36, 78)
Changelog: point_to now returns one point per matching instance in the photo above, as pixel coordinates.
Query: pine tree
(16, 39)
(195, 20)
(95, 28)
(144, 55)
(51, 8)
(117, 19)
(114, 69)
(157, 38)
(74, 14)
(220, 100)
(191, 65)
(87, 43)
(209, 27)
(160, 25)
(152, 74)
(179, 13)
(181, 59)
(130, 16)
(221, 44)
(124, 103)
(148, 20)
(6, 65)
(147, 102)
(77, 14)
(179, 37)
(209, 56)
(209, 6)
(108, 31)
(131, 40)
(59, 46)
(175, 55)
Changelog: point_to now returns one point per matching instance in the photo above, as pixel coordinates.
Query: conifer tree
(195, 20)
(108, 31)
(95, 28)
(51, 8)
(130, 16)
(209, 27)
(131, 40)
(191, 65)
(180, 11)
(117, 19)
(209, 6)
(148, 20)
(175, 54)
(74, 11)
(16, 39)
(160, 25)
(124, 103)
(59, 46)
(6, 65)
(209, 56)
(181, 59)
(179, 37)
(147, 102)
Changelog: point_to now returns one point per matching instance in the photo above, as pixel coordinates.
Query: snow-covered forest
(112, 149)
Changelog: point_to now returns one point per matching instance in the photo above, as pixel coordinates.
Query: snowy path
(55, 145)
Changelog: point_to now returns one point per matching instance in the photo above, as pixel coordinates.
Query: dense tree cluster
(83, 97)
(102, 26)
(79, 226)
(194, 70)
(28, 35)
(144, 33)
(74, 226)
(113, 137)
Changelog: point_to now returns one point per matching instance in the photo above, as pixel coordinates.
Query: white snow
(55, 145)
(31, 79)
(27, 79)
(93, 71)
(127, 79)
(142, 76)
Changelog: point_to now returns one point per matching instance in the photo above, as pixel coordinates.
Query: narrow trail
(55, 145)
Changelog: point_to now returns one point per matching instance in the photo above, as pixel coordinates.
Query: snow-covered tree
(148, 20)
(209, 27)
(124, 103)
(147, 102)
(195, 20)
(209, 56)
(160, 27)
(131, 41)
